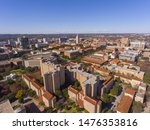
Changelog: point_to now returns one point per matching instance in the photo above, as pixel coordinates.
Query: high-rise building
(52, 81)
(53, 75)
(77, 39)
(90, 89)
(23, 42)
(138, 44)
(63, 40)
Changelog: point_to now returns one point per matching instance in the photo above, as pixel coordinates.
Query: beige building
(46, 96)
(90, 104)
(49, 99)
(135, 82)
(107, 85)
(140, 95)
(129, 72)
(53, 75)
(90, 83)
(32, 63)
(102, 71)
(124, 42)
(126, 101)
(71, 53)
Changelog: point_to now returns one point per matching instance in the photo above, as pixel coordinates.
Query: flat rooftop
(5, 107)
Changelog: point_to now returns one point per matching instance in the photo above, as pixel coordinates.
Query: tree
(23, 84)
(41, 104)
(32, 69)
(1, 77)
(57, 105)
(118, 80)
(107, 98)
(10, 96)
(137, 107)
(58, 93)
(77, 85)
(20, 94)
(48, 110)
(24, 57)
(31, 93)
(115, 90)
(147, 77)
(65, 93)
(21, 100)
(40, 80)
(10, 81)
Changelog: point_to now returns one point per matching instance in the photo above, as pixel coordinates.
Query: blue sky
(74, 16)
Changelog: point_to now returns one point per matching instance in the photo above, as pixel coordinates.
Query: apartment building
(53, 75)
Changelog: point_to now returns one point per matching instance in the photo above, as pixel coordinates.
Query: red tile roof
(125, 104)
(36, 85)
(92, 60)
(70, 88)
(128, 77)
(101, 69)
(27, 77)
(48, 95)
(130, 91)
(115, 61)
(80, 102)
(90, 100)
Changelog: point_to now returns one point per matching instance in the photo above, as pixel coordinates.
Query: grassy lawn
(71, 107)
(18, 71)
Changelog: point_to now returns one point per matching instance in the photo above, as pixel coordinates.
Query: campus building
(44, 95)
(126, 101)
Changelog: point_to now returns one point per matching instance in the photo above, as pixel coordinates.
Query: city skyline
(74, 16)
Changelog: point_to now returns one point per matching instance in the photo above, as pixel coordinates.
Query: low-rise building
(130, 72)
(5, 107)
(115, 62)
(128, 56)
(90, 104)
(107, 85)
(32, 63)
(134, 81)
(126, 101)
(71, 53)
(46, 96)
(138, 44)
(102, 71)
(140, 95)
(93, 61)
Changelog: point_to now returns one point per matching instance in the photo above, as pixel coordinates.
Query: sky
(74, 16)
